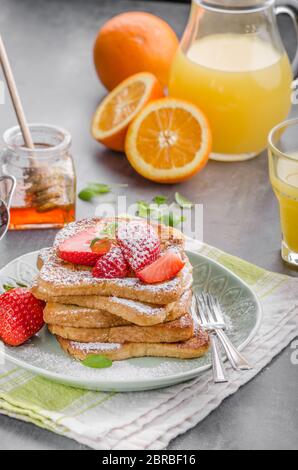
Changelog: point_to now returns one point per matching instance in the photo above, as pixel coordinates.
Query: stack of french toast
(119, 287)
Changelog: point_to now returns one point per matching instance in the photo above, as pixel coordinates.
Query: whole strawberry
(21, 316)
(139, 243)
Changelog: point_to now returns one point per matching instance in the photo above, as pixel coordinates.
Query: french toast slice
(80, 317)
(69, 313)
(194, 347)
(58, 278)
(169, 332)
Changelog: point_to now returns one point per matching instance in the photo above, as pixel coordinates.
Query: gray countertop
(50, 46)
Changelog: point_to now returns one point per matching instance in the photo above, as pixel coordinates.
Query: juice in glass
(285, 185)
(242, 84)
(283, 168)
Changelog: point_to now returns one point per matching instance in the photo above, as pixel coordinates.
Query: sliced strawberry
(21, 316)
(164, 268)
(139, 243)
(77, 249)
(111, 265)
(101, 245)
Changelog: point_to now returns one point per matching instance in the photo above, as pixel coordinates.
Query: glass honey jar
(45, 191)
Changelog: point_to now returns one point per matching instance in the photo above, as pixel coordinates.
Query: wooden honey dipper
(44, 183)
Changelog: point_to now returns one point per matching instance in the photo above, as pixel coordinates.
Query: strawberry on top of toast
(121, 247)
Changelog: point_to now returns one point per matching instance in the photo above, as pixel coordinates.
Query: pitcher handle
(286, 7)
(11, 190)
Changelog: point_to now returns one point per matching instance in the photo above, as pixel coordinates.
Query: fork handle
(219, 375)
(236, 359)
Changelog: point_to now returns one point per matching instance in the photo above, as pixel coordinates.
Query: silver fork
(218, 324)
(219, 374)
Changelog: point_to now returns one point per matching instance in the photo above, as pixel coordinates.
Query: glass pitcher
(231, 63)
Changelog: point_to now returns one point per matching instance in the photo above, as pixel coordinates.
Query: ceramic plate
(42, 355)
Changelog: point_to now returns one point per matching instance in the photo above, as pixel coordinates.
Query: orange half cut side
(114, 114)
(169, 141)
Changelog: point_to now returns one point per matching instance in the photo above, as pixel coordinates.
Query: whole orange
(134, 42)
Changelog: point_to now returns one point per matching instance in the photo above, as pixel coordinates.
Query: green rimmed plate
(43, 356)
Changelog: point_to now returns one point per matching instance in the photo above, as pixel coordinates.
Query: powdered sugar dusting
(55, 273)
(59, 273)
(185, 321)
(150, 309)
(87, 347)
(111, 265)
(139, 243)
(75, 227)
(140, 307)
(44, 352)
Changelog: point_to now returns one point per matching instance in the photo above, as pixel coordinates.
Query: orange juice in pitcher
(232, 64)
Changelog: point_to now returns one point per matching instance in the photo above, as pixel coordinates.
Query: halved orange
(114, 114)
(169, 141)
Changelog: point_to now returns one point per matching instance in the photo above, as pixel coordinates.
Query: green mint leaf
(86, 194)
(143, 209)
(160, 200)
(20, 284)
(109, 231)
(99, 188)
(7, 287)
(171, 219)
(94, 241)
(93, 189)
(146, 210)
(143, 204)
(183, 201)
(96, 361)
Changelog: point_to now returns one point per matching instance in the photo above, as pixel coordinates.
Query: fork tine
(200, 309)
(211, 306)
(217, 365)
(215, 309)
(218, 311)
(209, 315)
(203, 302)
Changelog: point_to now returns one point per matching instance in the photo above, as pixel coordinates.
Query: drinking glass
(283, 168)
